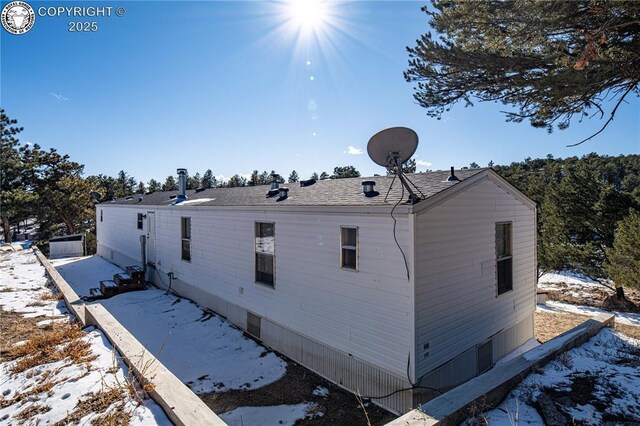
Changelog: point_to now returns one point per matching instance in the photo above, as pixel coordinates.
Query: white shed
(376, 295)
(66, 246)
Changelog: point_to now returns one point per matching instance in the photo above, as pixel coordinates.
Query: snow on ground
(267, 416)
(21, 274)
(593, 383)
(202, 350)
(560, 308)
(526, 346)
(22, 286)
(574, 284)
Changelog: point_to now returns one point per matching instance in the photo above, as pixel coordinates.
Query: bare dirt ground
(339, 406)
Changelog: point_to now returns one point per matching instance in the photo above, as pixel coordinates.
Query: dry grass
(98, 403)
(548, 325)
(629, 330)
(14, 328)
(30, 411)
(51, 296)
(47, 346)
(7, 290)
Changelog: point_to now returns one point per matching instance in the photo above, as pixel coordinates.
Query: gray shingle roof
(330, 192)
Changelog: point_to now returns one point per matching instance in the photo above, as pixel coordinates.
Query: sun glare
(308, 14)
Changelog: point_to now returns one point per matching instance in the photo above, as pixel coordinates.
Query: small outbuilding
(398, 301)
(66, 246)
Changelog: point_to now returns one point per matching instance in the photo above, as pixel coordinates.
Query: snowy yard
(592, 384)
(244, 382)
(52, 371)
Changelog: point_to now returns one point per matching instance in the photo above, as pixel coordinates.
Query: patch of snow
(321, 391)
(609, 358)
(201, 349)
(22, 272)
(525, 347)
(196, 201)
(286, 415)
(621, 317)
(550, 346)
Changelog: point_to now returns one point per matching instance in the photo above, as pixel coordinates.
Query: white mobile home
(374, 294)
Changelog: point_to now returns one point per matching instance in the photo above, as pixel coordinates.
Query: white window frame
(355, 248)
(504, 258)
(256, 229)
(185, 238)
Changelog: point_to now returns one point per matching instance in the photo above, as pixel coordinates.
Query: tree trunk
(6, 229)
(620, 293)
(67, 223)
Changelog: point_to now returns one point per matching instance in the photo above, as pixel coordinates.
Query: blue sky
(238, 86)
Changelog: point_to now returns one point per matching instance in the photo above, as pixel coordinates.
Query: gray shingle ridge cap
(430, 183)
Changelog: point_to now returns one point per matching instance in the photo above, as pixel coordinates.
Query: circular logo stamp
(18, 17)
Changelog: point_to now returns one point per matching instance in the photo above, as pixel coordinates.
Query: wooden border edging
(179, 403)
(489, 389)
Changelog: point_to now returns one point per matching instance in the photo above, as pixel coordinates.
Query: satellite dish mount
(391, 148)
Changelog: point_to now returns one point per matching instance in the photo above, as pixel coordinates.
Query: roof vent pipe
(182, 185)
(452, 177)
(274, 181)
(369, 188)
(284, 192)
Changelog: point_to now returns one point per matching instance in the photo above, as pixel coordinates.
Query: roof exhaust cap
(283, 193)
(182, 185)
(307, 182)
(452, 177)
(274, 181)
(369, 188)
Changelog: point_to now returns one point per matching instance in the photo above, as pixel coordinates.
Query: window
(185, 223)
(139, 220)
(504, 260)
(265, 253)
(100, 215)
(349, 247)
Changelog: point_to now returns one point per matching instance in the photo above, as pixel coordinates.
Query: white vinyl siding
(365, 314)
(456, 304)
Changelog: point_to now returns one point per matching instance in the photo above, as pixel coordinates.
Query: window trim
(140, 221)
(504, 258)
(256, 227)
(184, 239)
(355, 248)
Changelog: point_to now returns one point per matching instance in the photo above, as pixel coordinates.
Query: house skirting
(343, 369)
(465, 366)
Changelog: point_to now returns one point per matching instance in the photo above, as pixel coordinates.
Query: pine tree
(170, 184)
(208, 181)
(314, 176)
(141, 188)
(623, 264)
(293, 177)
(324, 175)
(342, 172)
(553, 61)
(154, 186)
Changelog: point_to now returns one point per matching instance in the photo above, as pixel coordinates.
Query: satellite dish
(391, 148)
(96, 196)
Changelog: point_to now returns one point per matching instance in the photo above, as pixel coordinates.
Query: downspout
(143, 253)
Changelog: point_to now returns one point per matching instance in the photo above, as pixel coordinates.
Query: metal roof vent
(200, 189)
(129, 198)
(307, 182)
(171, 197)
(140, 198)
(452, 177)
(182, 185)
(284, 193)
(272, 193)
(274, 181)
(369, 188)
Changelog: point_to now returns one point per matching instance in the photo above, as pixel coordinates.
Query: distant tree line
(588, 217)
